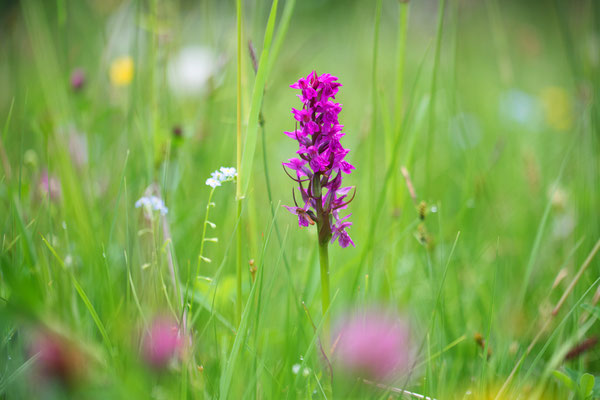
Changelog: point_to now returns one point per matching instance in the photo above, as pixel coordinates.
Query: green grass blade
(256, 104)
(282, 29)
(18, 372)
(432, 93)
(390, 170)
(242, 331)
(540, 232)
(84, 298)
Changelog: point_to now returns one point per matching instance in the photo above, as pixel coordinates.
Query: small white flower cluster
(152, 203)
(221, 175)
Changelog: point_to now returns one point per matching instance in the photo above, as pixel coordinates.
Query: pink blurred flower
(162, 342)
(372, 344)
(56, 357)
(50, 186)
(77, 79)
(78, 148)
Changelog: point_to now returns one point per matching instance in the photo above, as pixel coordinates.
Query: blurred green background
(491, 109)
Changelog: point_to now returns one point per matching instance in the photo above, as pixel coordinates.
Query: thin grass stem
(238, 194)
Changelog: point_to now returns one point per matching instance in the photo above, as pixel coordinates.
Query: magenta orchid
(321, 159)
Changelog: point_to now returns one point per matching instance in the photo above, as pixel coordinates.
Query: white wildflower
(224, 174)
(152, 203)
(218, 175)
(230, 173)
(213, 183)
(143, 202)
(193, 70)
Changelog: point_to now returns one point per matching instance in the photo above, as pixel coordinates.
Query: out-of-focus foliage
(485, 122)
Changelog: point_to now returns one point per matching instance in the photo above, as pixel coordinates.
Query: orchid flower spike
(320, 161)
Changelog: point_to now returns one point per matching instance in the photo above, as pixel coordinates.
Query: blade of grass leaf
(4, 384)
(3, 156)
(242, 331)
(544, 348)
(368, 247)
(541, 229)
(121, 185)
(433, 314)
(256, 103)
(374, 108)
(432, 94)
(83, 297)
(31, 255)
(313, 342)
(282, 29)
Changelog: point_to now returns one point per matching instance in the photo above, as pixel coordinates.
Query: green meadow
(474, 131)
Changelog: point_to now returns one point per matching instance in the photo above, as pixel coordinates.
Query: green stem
(201, 255)
(238, 301)
(400, 64)
(374, 137)
(324, 236)
(432, 95)
(238, 193)
(395, 187)
(374, 109)
(401, 59)
(239, 196)
(324, 262)
(325, 341)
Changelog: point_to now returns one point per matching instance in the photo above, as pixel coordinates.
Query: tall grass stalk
(380, 199)
(249, 147)
(506, 385)
(373, 136)
(238, 187)
(432, 94)
(84, 297)
(395, 132)
(403, 12)
(242, 333)
(278, 41)
(537, 242)
(501, 41)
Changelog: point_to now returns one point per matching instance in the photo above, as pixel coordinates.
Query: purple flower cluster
(321, 159)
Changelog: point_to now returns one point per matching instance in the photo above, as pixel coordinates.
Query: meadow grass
(474, 130)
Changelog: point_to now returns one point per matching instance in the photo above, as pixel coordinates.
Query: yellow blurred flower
(557, 107)
(121, 71)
